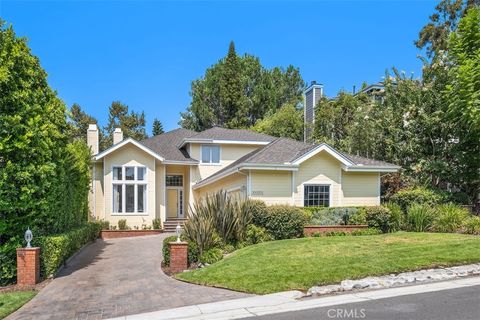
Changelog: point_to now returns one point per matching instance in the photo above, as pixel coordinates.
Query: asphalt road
(454, 304)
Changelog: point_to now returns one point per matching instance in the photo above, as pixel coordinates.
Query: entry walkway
(117, 277)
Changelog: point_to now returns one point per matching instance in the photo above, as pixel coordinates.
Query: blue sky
(146, 53)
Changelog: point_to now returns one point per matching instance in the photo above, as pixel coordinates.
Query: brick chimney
(117, 136)
(92, 138)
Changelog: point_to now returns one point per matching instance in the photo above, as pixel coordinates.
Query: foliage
(122, 224)
(391, 183)
(258, 209)
(132, 124)
(104, 224)
(11, 301)
(79, 122)
(237, 91)
(397, 216)
(472, 225)
(8, 260)
(275, 266)
(256, 235)
(286, 122)
(331, 216)
(157, 127)
(449, 218)
(419, 217)
(283, 222)
(157, 224)
(211, 255)
(192, 253)
(358, 217)
(380, 218)
(56, 249)
(407, 197)
(361, 232)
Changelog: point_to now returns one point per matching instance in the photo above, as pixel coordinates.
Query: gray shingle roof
(367, 161)
(218, 133)
(166, 145)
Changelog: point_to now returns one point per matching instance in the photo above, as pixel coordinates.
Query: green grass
(11, 301)
(302, 263)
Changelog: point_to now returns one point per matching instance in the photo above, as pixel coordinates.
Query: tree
(236, 92)
(132, 124)
(463, 96)
(79, 122)
(157, 127)
(286, 122)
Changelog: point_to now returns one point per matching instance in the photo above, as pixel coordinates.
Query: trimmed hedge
(282, 221)
(407, 197)
(192, 250)
(331, 216)
(56, 249)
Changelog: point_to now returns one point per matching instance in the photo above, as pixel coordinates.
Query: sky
(146, 53)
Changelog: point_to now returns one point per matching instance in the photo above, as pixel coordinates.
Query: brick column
(178, 256)
(28, 266)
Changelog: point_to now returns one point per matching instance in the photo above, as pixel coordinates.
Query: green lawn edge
(13, 300)
(299, 264)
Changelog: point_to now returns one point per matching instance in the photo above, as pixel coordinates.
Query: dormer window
(210, 154)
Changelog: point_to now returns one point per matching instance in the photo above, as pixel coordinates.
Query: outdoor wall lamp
(178, 231)
(28, 237)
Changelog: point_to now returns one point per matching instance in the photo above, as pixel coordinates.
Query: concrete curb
(288, 301)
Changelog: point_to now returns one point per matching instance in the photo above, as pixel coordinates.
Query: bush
(419, 218)
(192, 250)
(284, 222)
(8, 261)
(471, 225)
(380, 218)
(331, 216)
(104, 224)
(366, 232)
(358, 217)
(397, 217)
(258, 210)
(122, 224)
(211, 256)
(257, 235)
(407, 197)
(228, 248)
(57, 249)
(156, 223)
(449, 218)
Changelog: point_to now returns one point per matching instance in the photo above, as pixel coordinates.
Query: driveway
(116, 277)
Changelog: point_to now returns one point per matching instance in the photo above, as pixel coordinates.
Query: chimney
(92, 138)
(312, 95)
(117, 136)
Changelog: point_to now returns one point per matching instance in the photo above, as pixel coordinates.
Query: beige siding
(130, 155)
(96, 197)
(160, 192)
(272, 187)
(361, 189)
(320, 169)
(234, 182)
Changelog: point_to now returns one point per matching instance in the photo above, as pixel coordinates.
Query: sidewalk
(288, 301)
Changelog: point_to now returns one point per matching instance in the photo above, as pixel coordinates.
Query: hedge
(282, 221)
(56, 249)
(324, 216)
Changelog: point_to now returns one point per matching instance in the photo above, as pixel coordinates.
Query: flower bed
(112, 234)
(309, 230)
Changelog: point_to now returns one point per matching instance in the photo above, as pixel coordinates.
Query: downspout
(248, 180)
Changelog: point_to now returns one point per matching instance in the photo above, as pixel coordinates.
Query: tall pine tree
(157, 127)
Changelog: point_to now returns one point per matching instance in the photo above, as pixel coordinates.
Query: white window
(129, 189)
(316, 195)
(210, 154)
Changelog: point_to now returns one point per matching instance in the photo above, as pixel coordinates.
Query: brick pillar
(28, 266)
(178, 256)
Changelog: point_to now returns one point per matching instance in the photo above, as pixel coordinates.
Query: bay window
(129, 189)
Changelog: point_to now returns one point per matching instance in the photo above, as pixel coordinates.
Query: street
(454, 304)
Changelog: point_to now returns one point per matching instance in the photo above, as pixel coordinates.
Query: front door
(175, 203)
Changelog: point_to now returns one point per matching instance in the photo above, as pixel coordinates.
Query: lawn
(11, 301)
(302, 263)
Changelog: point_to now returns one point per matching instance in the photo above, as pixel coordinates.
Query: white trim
(222, 141)
(124, 142)
(293, 174)
(249, 184)
(360, 168)
(211, 157)
(187, 163)
(379, 189)
(135, 182)
(323, 147)
(233, 189)
(318, 183)
(178, 188)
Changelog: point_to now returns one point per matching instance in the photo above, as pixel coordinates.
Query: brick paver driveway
(114, 278)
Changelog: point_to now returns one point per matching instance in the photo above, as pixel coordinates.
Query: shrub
(471, 225)
(366, 232)
(228, 248)
(122, 224)
(407, 197)
(192, 250)
(57, 249)
(284, 222)
(380, 218)
(397, 217)
(156, 223)
(104, 224)
(211, 256)
(257, 235)
(449, 218)
(258, 210)
(331, 216)
(358, 217)
(419, 218)
(8, 261)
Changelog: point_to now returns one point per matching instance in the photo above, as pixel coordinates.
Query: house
(163, 176)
